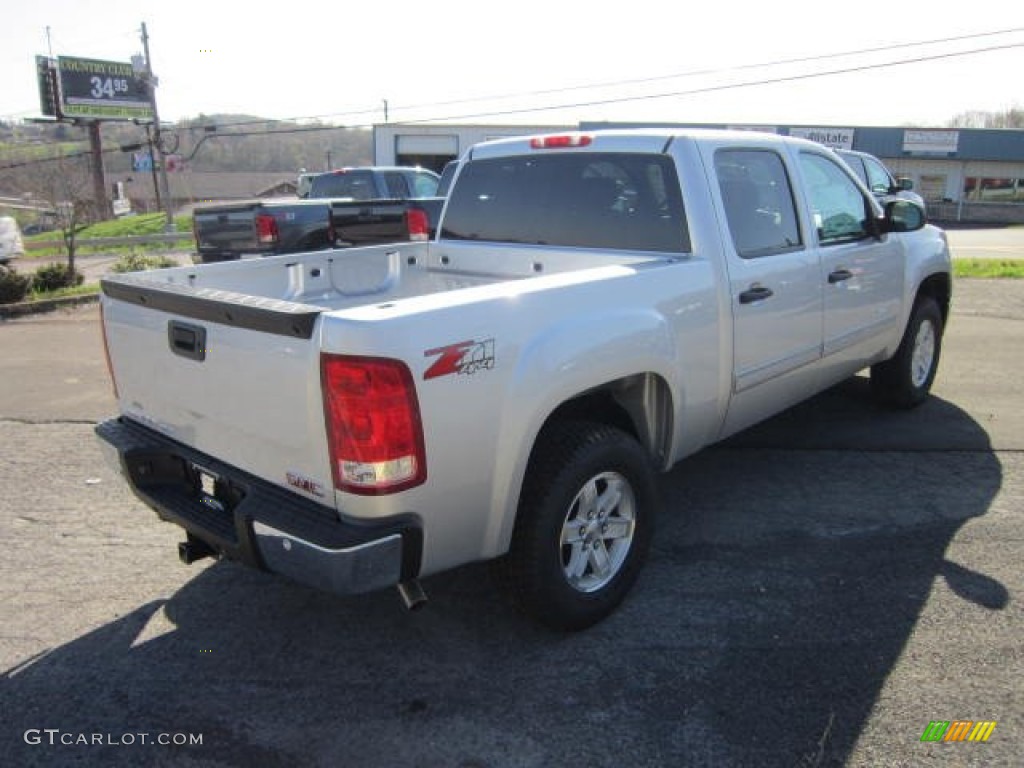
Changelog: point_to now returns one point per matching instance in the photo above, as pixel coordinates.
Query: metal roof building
(963, 173)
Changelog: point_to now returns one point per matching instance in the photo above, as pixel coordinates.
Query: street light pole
(158, 141)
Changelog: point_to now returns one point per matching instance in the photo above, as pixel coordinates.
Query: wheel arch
(641, 405)
(938, 286)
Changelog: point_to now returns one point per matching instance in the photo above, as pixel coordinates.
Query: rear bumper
(260, 524)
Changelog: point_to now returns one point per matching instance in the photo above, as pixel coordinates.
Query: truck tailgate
(230, 228)
(230, 376)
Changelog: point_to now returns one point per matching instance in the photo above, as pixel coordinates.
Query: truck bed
(225, 358)
(300, 286)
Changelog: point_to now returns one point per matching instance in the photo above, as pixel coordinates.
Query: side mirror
(902, 216)
(905, 184)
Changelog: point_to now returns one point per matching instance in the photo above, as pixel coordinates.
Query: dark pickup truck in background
(346, 207)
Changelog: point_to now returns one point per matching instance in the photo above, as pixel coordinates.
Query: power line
(603, 102)
(635, 81)
(721, 87)
(721, 71)
(619, 83)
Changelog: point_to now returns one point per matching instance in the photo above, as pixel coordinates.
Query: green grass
(988, 268)
(77, 290)
(128, 226)
(19, 152)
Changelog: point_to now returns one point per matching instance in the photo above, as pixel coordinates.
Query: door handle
(187, 340)
(755, 293)
(839, 276)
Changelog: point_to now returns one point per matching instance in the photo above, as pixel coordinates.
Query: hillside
(239, 143)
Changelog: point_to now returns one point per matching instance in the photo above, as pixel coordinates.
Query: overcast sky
(632, 60)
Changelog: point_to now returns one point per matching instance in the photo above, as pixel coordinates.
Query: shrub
(133, 262)
(55, 276)
(13, 287)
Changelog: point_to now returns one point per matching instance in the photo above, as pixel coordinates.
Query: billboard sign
(834, 138)
(142, 161)
(931, 142)
(102, 90)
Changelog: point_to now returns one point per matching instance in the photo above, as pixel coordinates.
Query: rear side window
(613, 201)
(397, 184)
(356, 185)
(424, 184)
(758, 200)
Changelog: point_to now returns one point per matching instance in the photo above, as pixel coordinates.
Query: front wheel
(905, 380)
(584, 525)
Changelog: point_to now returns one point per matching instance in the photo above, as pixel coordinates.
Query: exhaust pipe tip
(412, 594)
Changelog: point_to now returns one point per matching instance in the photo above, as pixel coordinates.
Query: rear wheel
(584, 525)
(905, 380)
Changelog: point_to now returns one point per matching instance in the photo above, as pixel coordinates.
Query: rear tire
(584, 525)
(905, 380)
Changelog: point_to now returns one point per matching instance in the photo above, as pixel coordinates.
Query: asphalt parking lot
(822, 587)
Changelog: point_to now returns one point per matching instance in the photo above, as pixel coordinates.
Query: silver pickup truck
(593, 308)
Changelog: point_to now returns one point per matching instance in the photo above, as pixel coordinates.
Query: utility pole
(158, 141)
(152, 169)
(99, 182)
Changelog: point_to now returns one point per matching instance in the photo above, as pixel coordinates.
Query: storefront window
(994, 190)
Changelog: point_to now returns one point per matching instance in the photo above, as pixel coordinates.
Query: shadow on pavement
(790, 568)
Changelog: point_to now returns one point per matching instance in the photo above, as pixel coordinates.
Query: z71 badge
(465, 357)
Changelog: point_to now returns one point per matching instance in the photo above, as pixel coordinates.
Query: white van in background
(11, 245)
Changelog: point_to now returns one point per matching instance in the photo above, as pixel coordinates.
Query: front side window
(758, 201)
(837, 205)
(879, 180)
(617, 201)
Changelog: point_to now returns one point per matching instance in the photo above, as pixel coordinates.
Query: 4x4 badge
(465, 357)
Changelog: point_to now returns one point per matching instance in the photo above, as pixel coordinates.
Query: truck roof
(623, 140)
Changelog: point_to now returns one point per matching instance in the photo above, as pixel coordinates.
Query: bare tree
(1010, 118)
(63, 185)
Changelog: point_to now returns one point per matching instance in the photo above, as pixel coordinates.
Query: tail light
(417, 224)
(266, 229)
(374, 431)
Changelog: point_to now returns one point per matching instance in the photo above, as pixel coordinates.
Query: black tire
(905, 380)
(558, 534)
